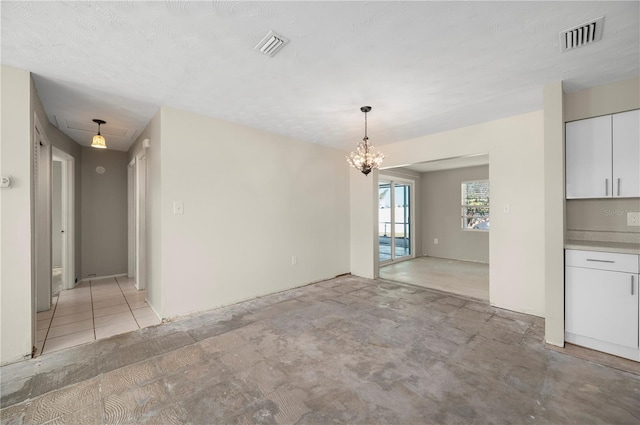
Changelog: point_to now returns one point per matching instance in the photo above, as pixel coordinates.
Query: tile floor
(93, 310)
(344, 351)
(466, 278)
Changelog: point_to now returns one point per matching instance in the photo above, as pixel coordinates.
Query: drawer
(602, 260)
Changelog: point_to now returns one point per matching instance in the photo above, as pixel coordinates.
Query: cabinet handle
(606, 187)
(632, 284)
(601, 261)
(618, 186)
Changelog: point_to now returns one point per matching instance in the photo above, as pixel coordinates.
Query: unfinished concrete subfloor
(347, 350)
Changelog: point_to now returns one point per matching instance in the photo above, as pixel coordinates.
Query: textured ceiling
(425, 67)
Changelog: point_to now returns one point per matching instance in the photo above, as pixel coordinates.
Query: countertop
(618, 247)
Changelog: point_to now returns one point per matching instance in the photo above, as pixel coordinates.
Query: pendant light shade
(98, 139)
(364, 158)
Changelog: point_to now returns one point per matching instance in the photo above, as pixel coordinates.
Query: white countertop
(618, 247)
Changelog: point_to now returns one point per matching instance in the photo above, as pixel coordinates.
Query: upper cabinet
(626, 154)
(603, 156)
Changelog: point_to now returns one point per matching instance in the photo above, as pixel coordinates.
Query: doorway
(137, 184)
(395, 219)
(62, 221)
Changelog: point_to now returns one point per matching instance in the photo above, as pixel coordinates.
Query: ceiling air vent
(271, 44)
(584, 34)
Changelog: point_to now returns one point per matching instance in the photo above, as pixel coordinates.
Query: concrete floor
(466, 278)
(346, 350)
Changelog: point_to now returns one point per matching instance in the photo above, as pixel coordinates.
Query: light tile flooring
(93, 310)
(458, 277)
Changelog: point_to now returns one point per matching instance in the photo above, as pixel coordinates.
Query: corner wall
(16, 309)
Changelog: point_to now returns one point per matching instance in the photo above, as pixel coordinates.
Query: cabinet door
(626, 154)
(600, 305)
(588, 158)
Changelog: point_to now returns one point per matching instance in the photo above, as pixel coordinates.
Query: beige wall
(441, 216)
(516, 171)
(552, 213)
(16, 308)
(602, 100)
(103, 213)
(609, 215)
(250, 198)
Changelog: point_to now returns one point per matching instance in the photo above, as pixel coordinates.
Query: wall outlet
(435, 241)
(633, 218)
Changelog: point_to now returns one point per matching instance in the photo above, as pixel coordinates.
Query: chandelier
(364, 159)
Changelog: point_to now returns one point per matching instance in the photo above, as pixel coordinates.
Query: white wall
(252, 200)
(516, 170)
(15, 218)
(363, 228)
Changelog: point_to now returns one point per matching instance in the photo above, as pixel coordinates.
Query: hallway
(93, 310)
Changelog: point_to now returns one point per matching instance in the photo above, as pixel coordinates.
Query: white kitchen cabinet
(626, 154)
(601, 302)
(603, 156)
(588, 158)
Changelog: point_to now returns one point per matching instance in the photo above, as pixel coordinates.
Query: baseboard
(86, 279)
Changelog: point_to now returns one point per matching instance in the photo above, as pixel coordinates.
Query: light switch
(178, 208)
(5, 181)
(506, 208)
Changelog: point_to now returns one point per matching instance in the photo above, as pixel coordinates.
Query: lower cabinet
(602, 302)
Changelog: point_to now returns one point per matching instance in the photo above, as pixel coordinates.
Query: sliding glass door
(394, 220)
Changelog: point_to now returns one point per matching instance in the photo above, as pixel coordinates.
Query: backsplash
(600, 236)
(601, 215)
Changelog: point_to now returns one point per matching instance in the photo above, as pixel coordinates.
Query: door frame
(41, 195)
(140, 220)
(68, 214)
(131, 219)
(412, 219)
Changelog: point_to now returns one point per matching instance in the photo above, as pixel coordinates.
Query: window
(475, 205)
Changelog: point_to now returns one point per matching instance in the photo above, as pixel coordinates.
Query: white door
(588, 158)
(626, 154)
(602, 305)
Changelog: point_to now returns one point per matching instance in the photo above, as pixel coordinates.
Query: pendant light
(364, 159)
(98, 139)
